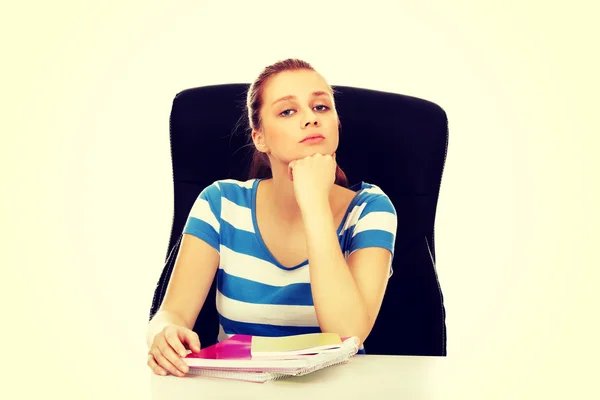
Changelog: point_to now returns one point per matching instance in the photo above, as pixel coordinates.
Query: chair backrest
(391, 140)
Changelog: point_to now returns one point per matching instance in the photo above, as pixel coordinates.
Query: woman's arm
(192, 276)
(347, 295)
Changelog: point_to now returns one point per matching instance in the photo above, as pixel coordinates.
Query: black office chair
(394, 141)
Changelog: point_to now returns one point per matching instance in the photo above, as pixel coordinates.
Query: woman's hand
(168, 348)
(313, 178)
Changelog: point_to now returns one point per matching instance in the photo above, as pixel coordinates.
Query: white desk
(365, 377)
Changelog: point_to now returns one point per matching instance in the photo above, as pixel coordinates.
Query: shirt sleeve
(204, 218)
(376, 226)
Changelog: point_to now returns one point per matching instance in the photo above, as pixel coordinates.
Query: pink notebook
(234, 354)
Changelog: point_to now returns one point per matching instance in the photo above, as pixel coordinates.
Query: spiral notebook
(294, 346)
(261, 359)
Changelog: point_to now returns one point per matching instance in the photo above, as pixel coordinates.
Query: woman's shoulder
(234, 183)
(371, 196)
(228, 187)
(236, 191)
(364, 189)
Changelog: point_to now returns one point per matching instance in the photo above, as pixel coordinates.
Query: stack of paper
(260, 359)
(295, 346)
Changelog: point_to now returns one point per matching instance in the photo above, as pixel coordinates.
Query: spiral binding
(350, 346)
(258, 377)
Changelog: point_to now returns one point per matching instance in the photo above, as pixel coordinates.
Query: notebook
(291, 346)
(274, 358)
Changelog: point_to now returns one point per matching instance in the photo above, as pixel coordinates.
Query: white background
(87, 193)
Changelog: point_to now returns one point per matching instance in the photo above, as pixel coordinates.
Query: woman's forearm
(161, 319)
(337, 300)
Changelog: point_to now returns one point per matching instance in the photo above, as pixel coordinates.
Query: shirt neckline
(357, 187)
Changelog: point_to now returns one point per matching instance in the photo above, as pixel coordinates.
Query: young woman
(294, 250)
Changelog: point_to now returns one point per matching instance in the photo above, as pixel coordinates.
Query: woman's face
(302, 112)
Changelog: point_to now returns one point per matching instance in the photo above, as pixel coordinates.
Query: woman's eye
(287, 115)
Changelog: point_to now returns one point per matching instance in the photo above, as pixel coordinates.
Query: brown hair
(260, 167)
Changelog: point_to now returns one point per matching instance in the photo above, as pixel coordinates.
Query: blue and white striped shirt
(256, 295)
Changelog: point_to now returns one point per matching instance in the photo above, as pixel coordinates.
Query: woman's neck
(279, 194)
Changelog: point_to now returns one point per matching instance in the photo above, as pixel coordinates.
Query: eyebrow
(289, 96)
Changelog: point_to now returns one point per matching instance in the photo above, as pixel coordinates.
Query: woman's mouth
(313, 139)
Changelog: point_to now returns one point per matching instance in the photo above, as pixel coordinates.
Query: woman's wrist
(315, 209)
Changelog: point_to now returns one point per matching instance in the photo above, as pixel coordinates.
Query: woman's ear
(259, 141)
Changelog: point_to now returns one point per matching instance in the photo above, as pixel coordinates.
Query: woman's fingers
(168, 350)
(163, 362)
(172, 359)
(157, 369)
(191, 338)
(174, 341)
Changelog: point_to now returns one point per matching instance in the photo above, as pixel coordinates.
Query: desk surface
(365, 377)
